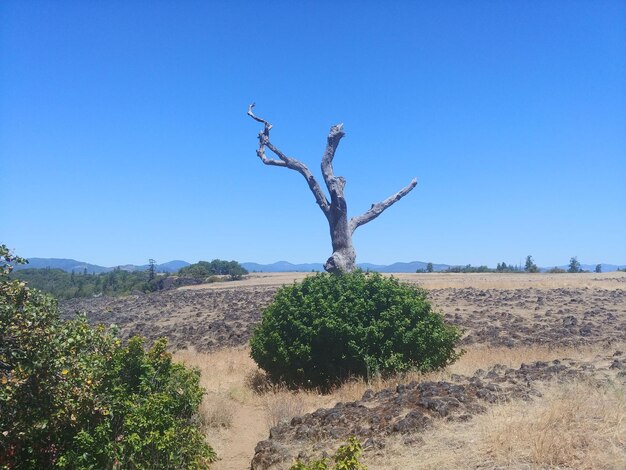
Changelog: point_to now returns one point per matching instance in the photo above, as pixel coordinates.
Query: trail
(249, 426)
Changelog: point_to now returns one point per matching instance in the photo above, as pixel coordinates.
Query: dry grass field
(565, 414)
(578, 424)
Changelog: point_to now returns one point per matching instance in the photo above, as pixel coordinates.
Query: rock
(412, 422)
(373, 443)
(268, 453)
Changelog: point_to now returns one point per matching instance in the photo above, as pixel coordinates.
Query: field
(497, 407)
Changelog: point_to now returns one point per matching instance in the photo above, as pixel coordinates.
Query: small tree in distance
(574, 265)
(598, 268)
(151, 269)
(429, 268)
(530, 266)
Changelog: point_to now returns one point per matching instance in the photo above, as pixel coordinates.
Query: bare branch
(334, 136)
(285, 161)
(268, 126)
(379, 207)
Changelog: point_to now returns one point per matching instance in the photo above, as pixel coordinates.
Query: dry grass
(281, 406)
(220, 370)
(216, 412)
(483, 357)
(240, 407)
(470, 362)
(228, 406)
(612, 280)
(576, 425)
(572, 426)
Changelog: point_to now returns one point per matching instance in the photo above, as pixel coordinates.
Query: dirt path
(248, 427)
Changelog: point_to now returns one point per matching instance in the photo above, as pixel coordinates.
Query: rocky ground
(410, 409)
(510, 317)
(211, 318)
(205, 319)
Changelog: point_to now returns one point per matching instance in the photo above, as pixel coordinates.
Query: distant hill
(411, 267)
(283, 267)
(172, 266)
(169, 267)
(606, 268)
(70, 265)
(399, 267)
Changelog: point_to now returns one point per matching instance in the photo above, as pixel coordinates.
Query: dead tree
(336, 211)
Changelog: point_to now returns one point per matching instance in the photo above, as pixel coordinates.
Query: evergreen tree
(151, 269)
(574, 265)
(530, 266)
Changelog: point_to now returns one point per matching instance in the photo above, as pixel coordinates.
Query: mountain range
(70, 265)
(286, 266)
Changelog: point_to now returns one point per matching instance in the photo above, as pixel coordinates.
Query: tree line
(217, 267)
(64, 285)
(529, 267)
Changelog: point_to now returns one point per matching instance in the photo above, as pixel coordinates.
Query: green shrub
(346, 458)
(330, 327)
(72, 396)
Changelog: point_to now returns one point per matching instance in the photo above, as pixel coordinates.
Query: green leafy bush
(72, 396)
(330, 327)
(346, 458)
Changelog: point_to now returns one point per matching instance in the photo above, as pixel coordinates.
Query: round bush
(330, 327)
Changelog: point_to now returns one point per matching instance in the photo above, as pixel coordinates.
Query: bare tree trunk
(343, 258)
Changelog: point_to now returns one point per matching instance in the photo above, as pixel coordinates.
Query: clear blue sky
(124, 135)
